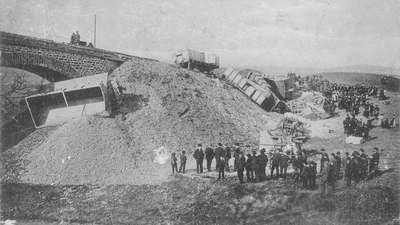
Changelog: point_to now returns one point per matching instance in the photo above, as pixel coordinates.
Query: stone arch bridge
(56, 61)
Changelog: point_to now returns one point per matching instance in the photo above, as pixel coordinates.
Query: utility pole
(94, 37)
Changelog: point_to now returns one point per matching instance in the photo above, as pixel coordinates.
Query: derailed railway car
(192, 59)
(264, 97)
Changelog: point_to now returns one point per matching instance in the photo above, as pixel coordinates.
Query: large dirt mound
(185, 108)
(165, 107)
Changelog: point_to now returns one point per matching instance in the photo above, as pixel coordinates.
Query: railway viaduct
(56, 61)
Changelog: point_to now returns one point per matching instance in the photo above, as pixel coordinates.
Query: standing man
(218, 152)
(248, 168)
(209, 157)
(313, 175)
(375, 159)
(199, 157)
(332, 176)
(275, 163)
(183, 162)
(241, 163)
(283, 164)
(221, 166)
(254, 166)
(338, 164)
(174, 163)
(228, 156)
(219, 155)
(262, 161)
(364, 164)
(346, 168)
(324, 178)
(355, 167)
(236, 156)
(78, 37)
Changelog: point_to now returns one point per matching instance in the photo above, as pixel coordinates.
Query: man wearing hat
(228, 156)
(249, 171)
(241, 164)
(262, 161)
(354, 167)
(199, 157)
(345, 163)
(209, 157)
(275, 163)
(283, 164)
(236, 156)
(219, 155)
(324, 159)
(254, 166)
(375, 159)
(364, 164)
(338, 164)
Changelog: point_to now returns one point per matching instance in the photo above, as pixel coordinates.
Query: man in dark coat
(219, 155)
(275, 163)
(364, 164)
(236, 156)
(338, 164)
(248, 169)
(375, 160)
(283, 164)
(332, 176)
(241, 164)
(313, 175)
(228, 156)
(183, 159)
(254, 166)
(324, 178)
(199, 157)
(355, 167)
(209, 157)
(346, 168)
(262, 161)
(174, 163)
(324, 159)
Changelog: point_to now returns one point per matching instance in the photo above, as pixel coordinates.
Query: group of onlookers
(352, 168)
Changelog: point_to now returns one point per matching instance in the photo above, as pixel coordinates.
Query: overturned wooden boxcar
(69, 99)
(264, 97)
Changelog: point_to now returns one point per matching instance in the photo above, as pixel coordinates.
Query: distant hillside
(366, 69)
(277, 70)
(388, 82)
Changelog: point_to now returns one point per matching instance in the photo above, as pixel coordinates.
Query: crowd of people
(352, 168)
(252, 166)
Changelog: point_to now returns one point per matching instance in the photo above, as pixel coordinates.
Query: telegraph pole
(94, 37)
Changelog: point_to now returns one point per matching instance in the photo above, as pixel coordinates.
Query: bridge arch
(49, 68)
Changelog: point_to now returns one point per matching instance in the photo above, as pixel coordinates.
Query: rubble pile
(309, 105)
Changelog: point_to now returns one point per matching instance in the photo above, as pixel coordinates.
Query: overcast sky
(295, 33)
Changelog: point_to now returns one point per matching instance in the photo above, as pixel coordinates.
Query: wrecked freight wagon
(67, 100)
(192, 59)
(262, 96)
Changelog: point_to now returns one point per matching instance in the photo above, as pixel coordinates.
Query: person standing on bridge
(78, 37)
(73, 38)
